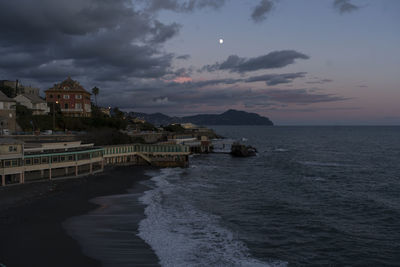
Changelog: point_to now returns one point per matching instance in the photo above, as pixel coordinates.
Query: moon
(221, 41)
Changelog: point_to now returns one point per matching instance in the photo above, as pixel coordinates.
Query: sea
(313, 196)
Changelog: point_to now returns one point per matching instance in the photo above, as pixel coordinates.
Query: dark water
(313, 196)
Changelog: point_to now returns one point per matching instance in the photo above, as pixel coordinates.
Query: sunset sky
(299, 62)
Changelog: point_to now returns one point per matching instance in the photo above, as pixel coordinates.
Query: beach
(32, 217)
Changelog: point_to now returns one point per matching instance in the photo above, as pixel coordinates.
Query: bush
(107, 136)
(175, 128)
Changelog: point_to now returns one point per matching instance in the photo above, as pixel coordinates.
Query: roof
(5, 98)
(9, 141)
(34, 98)
(68, 85)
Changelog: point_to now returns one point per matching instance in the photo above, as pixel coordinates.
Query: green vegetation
(24, 117)
(118, 113)
(95, 91)
(175, 128)
(142, 126)
(29, 122)
(7, 90)
(108, 136)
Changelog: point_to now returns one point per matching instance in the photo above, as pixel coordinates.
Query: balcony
(71, 110)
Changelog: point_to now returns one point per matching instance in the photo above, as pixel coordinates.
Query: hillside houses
(34, 103)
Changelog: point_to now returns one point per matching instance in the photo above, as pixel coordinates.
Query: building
(34, 103)
(106, 111)
(20, 163)
(30, 90)
(28, 162)
(16, 88)
(188, 125)
(71, 97)
(7, 114)
(11, 160)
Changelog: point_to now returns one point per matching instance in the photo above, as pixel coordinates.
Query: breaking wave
(183, 235)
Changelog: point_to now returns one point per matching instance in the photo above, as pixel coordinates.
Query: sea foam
(183, 235)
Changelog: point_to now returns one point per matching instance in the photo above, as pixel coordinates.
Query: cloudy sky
(295, 61)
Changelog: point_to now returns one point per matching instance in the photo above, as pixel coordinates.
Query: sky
(298, 62)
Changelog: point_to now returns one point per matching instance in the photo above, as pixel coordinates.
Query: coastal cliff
(230, 117)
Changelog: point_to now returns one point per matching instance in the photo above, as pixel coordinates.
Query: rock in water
(239, 150)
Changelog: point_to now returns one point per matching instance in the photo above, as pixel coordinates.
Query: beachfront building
(24, 162)
(71, 97)
(45, 161)
(34, 103)
(7, 114)
(11, 160)
(197, 144)
(160, 155)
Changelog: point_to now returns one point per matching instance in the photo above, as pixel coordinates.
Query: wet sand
(31, 218)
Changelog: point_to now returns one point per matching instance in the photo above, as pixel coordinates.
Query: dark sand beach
(31, 218)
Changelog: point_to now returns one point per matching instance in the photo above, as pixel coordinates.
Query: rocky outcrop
(239, 150)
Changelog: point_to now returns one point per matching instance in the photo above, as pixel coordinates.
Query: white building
(34, 103)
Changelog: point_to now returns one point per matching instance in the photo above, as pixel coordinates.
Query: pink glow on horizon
(182, 79)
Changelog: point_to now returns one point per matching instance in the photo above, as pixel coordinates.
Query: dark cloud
(301, 96)
(320, 81)
(161, 32)
(275, 79)
(184, 57)
(311, 109)
(200, 84)
(180, 5)
(276, 59)
(269, 79)
(178, 98)
(261, 10)
(344, 6)
(104, 40)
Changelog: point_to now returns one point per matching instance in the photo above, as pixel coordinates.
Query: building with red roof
(71, 97)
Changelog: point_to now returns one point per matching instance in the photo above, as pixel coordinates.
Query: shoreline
(32, 217)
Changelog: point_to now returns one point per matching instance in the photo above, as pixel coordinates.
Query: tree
(95, 91)
(175, 128)
(118, 113)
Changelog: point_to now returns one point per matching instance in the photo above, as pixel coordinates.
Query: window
(66, 105)
(78, 106)
(28, 161)
(66, 96)
(36, 160)
(58, 96)
(10, 148)
(78, 96)
(50, 96)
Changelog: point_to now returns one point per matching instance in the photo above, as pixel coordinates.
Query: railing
(48, 158)
(141, 148)
(72, 109)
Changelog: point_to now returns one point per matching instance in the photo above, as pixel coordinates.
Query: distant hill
(230, 117)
